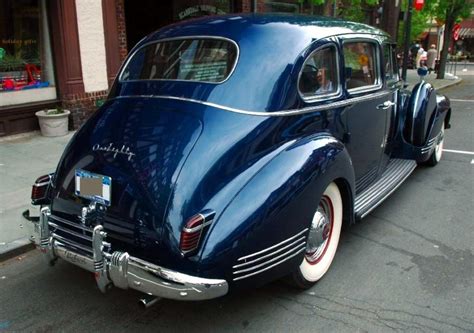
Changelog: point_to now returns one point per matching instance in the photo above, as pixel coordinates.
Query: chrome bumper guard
(124, 271)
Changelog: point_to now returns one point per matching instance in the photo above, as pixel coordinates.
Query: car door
(393, 86)
(367, 116)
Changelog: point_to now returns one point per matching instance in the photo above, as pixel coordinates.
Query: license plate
(93, 186)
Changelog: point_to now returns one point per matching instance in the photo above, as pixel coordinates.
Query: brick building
(67, 52)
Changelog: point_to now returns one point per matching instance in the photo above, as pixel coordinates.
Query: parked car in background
(231, 150)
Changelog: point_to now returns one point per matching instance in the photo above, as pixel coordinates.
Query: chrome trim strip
(372, 192)
(237, 56)
(273, 246)
(367, 178)
(400, 170)
(269, 267)
(388, 193)
(282, 113)
(199, 227)
(75, 225)
(42, 184)
(381, 185)
(415, 113)
(74, 233)
(271, 260)
(69, 242)
(270, 254)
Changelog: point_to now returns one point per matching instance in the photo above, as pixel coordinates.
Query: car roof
(270, 47)
(235, 26)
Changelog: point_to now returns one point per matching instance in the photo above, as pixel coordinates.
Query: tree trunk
(391, 12)
(448, 32)
(328, 5)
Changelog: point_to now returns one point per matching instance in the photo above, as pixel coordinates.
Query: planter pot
(53, 124)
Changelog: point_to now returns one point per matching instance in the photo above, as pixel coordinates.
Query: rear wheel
(438, 151)
(323, 238)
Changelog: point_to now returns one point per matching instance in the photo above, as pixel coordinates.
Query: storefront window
(26, 69)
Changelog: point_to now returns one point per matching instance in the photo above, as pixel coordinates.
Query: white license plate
(93, 186)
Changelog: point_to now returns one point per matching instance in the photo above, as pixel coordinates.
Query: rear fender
(276, 204)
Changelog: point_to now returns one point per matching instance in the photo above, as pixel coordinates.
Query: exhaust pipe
(147, 302)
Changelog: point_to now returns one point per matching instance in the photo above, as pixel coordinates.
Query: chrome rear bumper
(124, 271)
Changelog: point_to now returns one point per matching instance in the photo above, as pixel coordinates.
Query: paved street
(408, 266)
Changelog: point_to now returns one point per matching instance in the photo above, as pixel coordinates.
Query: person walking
(431, 58)
(418, 56)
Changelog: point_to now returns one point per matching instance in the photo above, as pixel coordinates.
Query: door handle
(385, 105)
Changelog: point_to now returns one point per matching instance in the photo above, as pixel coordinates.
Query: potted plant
(53, 122)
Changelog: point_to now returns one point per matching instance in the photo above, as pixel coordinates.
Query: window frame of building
(21, 93)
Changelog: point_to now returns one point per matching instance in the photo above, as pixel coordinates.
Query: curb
(447, 85)
(15, 248)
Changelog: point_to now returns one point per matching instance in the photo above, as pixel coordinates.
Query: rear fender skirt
(275, 205)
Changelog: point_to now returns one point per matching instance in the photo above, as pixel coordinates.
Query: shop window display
(25, 52)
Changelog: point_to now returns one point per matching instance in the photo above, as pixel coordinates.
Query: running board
(397, 171)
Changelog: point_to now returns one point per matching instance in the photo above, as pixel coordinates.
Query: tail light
(39, 190)
(193, 231)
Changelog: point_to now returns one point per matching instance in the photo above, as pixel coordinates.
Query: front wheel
(323, 238)
(438, 151)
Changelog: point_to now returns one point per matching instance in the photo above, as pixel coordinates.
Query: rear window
(203, 60)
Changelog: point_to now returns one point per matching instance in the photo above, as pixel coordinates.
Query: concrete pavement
(25, 157)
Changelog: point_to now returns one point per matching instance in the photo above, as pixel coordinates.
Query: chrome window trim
(378, 83)
(319, 97)
(282, 113)
(130, 57)
(394, 65)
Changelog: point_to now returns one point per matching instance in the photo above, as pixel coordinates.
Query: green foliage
(456, 9)
(420, 21)
(357, 10)
(57, 110)
(317, 2)
(12, 62)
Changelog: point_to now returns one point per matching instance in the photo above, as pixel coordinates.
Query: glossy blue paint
(262, 174)
(423, 114)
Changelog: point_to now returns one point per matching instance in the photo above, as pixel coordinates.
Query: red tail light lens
(193, 231)
(39, 189)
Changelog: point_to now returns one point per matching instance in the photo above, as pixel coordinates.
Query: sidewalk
(449, 80)
(25, 157)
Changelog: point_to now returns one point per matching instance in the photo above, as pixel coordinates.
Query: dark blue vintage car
(231, 150)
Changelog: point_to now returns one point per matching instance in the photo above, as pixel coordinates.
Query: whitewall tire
(438, 151)
(323, 238)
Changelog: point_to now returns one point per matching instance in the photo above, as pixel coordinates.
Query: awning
(466, 33)
(467, 28)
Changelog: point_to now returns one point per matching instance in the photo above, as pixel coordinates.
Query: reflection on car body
(230, 151)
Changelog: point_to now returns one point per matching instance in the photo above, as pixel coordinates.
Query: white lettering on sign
(199, 8)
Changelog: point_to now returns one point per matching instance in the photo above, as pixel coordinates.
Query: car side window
(319, 75)
(390, 60)
(360, 64)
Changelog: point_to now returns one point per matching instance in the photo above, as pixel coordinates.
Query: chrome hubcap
(319, 232)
